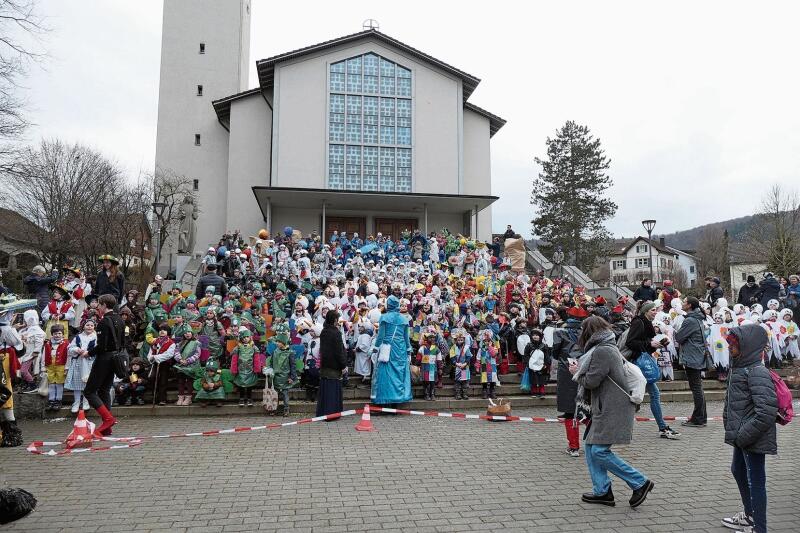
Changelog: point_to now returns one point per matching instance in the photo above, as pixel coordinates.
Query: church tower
(205, 55)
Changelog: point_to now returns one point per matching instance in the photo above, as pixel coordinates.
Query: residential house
(631, 263)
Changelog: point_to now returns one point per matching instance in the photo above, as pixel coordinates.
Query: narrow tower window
(197, 139)
(196, 184)
(202, 48)
(199, 90)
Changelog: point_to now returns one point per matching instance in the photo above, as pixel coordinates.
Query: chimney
(661, 242)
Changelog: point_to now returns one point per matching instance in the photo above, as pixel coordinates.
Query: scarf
(583, 399)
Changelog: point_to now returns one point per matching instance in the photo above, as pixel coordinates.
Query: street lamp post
(648, 226)
(158, 211)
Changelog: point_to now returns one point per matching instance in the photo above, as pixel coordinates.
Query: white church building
(360, 133)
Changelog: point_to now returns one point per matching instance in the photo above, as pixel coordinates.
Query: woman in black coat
(110, 280)
(333, 359)
(640, 341)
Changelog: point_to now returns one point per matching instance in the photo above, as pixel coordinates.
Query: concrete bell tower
(205, 55)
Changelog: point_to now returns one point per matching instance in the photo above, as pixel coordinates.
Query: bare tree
(775, 236)
(63, 189)
(677, 274)
(712, 250)
(20, 30)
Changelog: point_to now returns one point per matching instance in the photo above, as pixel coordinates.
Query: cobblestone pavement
(414, 474)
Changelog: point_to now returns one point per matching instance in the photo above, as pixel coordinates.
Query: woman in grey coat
(751, 407)
(603, 377)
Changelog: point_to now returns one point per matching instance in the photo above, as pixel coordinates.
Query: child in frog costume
(211, 336)
(175, 302)
(190, 312)
(187, 365)
(212, 388)
(246, 364)
(154, 312)
(281, 365)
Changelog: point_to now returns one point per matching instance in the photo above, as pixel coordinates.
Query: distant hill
(688, 239)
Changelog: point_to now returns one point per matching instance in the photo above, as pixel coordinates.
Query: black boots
(602, 499)
(640, 494)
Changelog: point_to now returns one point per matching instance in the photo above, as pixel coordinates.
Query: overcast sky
(696, 103)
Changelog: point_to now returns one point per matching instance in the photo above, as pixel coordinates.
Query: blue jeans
(655, 405)
(601, 460)
(749, 471)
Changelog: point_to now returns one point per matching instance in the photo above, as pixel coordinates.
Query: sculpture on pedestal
(187, 230)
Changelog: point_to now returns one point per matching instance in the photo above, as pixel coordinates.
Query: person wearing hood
(645, 291)
(750, 410)
(612, 414)
(770, 289)
(31, 362)
(749, 293)
(691, 340)
(391, 383)
(332, 365)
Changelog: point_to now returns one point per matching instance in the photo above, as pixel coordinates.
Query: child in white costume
(79, 364)
(718, 346)
(790, 334)
(773, 329)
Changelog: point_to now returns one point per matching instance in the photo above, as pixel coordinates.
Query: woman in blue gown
(391, 381)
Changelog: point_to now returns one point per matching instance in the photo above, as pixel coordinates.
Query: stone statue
(188, 227)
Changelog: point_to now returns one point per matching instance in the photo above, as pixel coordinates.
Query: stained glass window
(369, 125)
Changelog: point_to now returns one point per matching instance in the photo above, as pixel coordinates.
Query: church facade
(361, 133)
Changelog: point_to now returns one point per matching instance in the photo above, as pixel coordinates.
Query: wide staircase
(356, 394)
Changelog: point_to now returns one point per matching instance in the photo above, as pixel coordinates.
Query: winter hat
(751, 279)
(647, 306)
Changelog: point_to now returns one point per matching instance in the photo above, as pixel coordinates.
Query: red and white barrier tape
(35, 448)
(533, 419)
(129, 442)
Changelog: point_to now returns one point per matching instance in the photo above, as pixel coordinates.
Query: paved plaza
(413, 474)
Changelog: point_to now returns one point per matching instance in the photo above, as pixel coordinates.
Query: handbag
(385, 351)
(44, 385)
(525, 382)
(647, 364)
(120, 360)
(86, 369)
(269, 399)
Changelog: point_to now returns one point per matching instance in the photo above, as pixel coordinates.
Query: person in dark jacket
(751, 406)
(38, 285)
(211, 279)
(749, 293)
(640, 342)
(333, 360)
(565, 347)
(714, 292)
(691, 341)
(110, 280)
(509, 234)
(645, 291)
(110, 339)
(770, 289)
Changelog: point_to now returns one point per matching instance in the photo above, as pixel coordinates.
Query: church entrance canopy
(416, 205)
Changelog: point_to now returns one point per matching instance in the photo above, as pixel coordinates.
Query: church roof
(266, 67)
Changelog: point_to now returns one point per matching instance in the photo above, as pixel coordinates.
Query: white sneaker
(572, 452)
(76, 405)
(739, 521)
(85, 404)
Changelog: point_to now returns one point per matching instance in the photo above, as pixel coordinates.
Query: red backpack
(785, 409)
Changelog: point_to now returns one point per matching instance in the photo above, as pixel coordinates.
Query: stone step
(443, 403)
(361, 391)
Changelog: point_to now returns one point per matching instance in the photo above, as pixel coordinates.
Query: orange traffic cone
(365, 424)
(81, 434)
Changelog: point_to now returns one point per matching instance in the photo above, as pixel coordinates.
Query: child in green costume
(281, 365)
